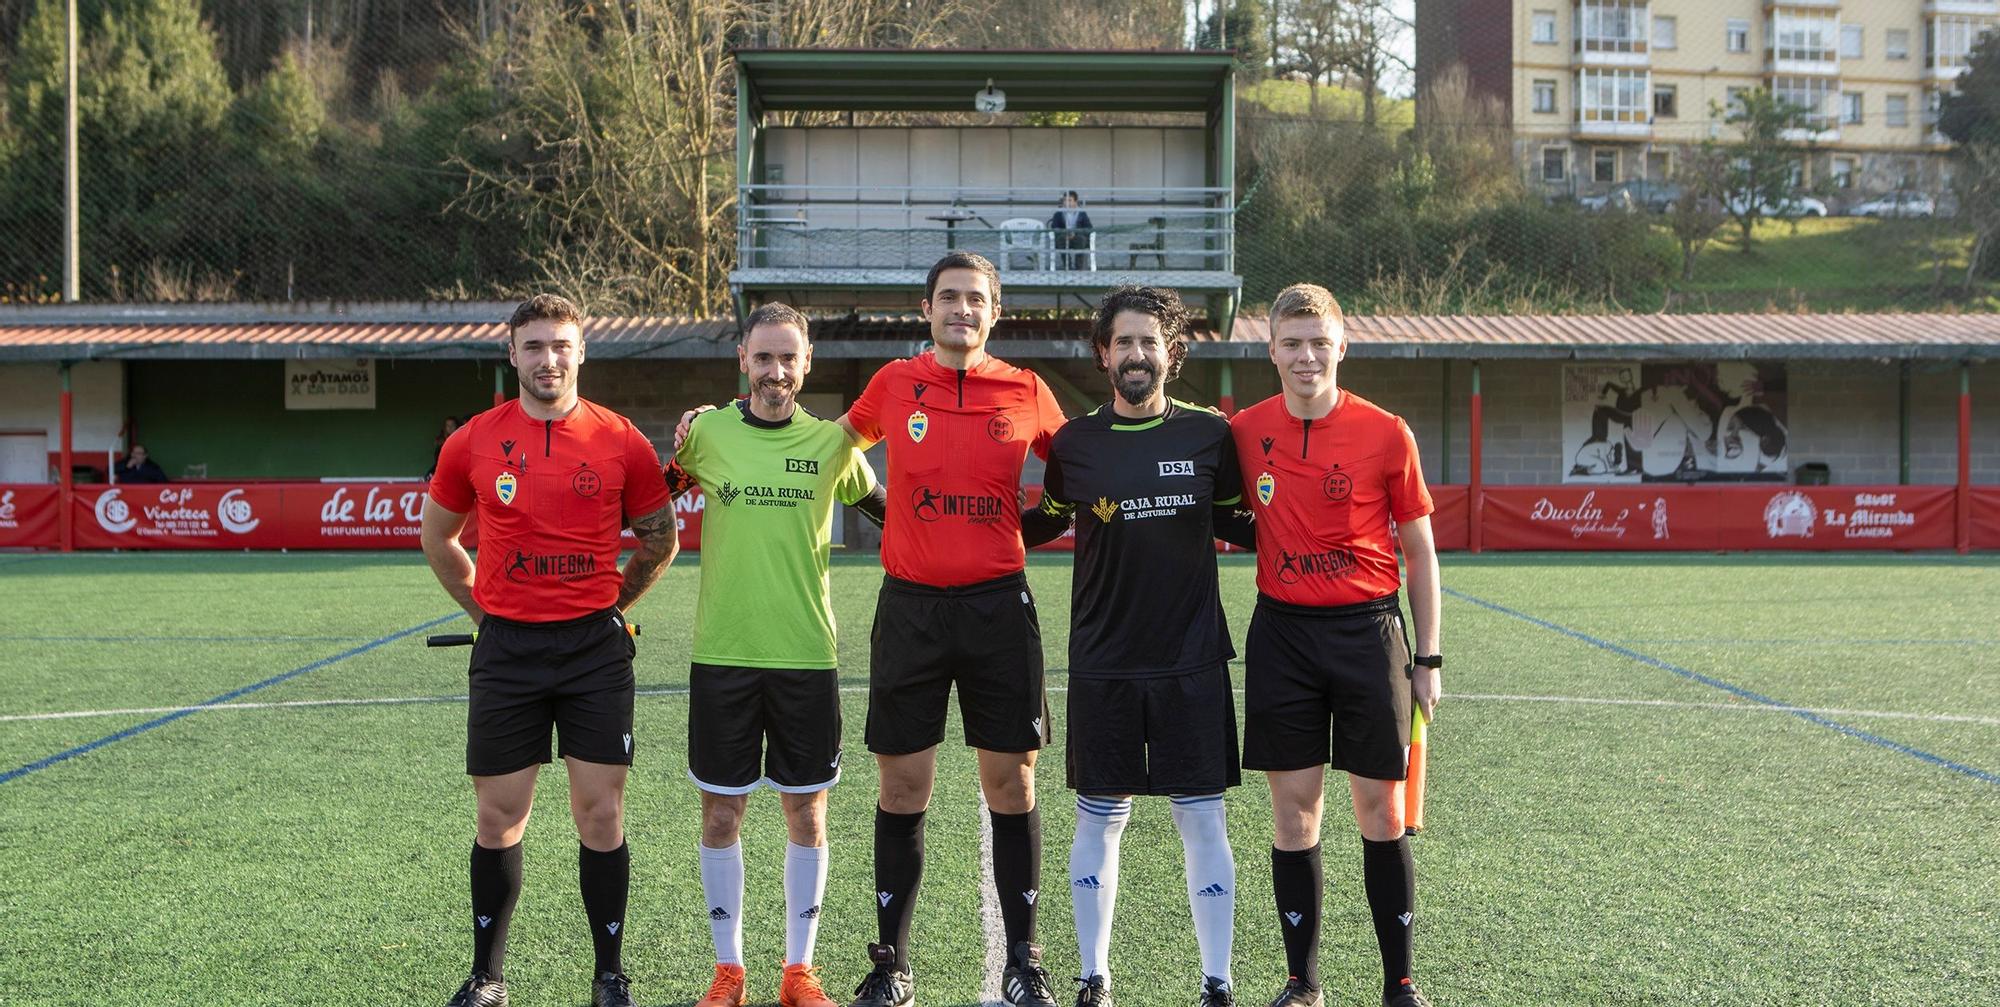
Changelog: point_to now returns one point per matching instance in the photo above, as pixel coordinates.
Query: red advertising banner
(169, 516)
(1452, 508)
(352, 515)
(28, 515)
(1986, 517)
(1718, 517)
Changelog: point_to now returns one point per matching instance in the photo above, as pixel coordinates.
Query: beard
(776, 394)
(1137, 382)
(533, 388)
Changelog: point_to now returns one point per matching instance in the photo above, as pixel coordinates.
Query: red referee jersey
(1324, 492)
(957, 440)
(551, 497)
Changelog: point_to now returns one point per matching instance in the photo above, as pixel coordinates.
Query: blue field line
(1824, 641)
(162, 721)
(179, 639)
(1734, 690)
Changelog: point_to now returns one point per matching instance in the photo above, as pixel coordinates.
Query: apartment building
(1599, 92)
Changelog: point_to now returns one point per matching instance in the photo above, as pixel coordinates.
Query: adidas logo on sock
(1089, 882)
(1213, 891)
(810, 914)
(485, 921)
(1293, 918)
(718, 914)
(1405, 918)
(612, 927)
(883, 897)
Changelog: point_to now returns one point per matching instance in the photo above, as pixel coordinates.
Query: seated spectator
(450, 424)
(1072, 231)
(138, 467)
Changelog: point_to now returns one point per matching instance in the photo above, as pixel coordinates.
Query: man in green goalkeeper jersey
(764, 695)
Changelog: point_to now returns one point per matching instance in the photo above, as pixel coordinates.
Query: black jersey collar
(743, 406)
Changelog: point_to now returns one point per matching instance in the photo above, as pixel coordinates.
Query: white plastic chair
(1027, 236)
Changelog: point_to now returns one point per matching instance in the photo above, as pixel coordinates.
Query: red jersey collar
(1296, 422)
(928, 360)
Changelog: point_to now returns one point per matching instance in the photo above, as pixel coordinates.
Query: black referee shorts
(1327, 686)
(1167, 735)
(573, 676)
(985, 637)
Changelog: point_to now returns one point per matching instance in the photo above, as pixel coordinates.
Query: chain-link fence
(1608, 155)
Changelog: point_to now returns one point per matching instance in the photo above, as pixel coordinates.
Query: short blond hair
(1307, 300)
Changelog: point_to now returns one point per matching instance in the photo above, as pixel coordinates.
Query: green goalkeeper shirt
(766, 534)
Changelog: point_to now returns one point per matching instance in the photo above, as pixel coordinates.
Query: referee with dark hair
(1150, 481)
(553, 478)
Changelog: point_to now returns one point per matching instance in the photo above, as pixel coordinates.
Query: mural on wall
(1680, 422)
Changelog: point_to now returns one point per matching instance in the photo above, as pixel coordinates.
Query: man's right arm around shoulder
(447, 556)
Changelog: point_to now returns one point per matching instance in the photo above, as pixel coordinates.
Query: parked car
(1795, 205)
(1901, 203)
(1638, 194)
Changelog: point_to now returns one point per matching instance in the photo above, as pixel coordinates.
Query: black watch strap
(1428, 660)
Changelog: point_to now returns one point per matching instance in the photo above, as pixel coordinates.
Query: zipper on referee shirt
(961, 386)
(548, 431)
(1305, 438)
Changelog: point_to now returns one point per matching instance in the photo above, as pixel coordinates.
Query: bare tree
(1315, 39)
(1696, 214)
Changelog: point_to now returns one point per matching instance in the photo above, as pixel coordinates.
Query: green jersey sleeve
(857, 477)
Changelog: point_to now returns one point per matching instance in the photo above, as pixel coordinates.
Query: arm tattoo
(659, 543)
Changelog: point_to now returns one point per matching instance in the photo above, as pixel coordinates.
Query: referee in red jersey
(1335, 485)
(553, 479)
(955, 609)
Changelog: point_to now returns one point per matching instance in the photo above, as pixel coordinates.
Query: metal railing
(909, 227)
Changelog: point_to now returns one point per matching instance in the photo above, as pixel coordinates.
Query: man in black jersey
(1149, 482)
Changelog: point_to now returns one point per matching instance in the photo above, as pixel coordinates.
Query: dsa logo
(1789, 515)
(809, 466)
(918, 426)
(1176, 469)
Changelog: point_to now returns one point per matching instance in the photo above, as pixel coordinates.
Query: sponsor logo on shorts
(504, 487)
(972, 508)
(918, 426)
(1267, 487)
(585, 482)
(563, 566)
(1337, 485)
(1037, 722)
(628, 743)
(1330, 564)
(1000, 427)
(1176, 469)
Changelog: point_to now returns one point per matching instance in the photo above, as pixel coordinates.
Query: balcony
(889, 235)
(1615, 52)
(1944, 69)
(1611, 126)
(1976, 8)
(1821, 129)
(1803, 4)
(1802, 62)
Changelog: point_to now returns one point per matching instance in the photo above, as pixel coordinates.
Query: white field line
(1824, 711)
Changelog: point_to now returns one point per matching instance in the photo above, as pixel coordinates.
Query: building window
(1545, 27)
(1545, 96)
(1804, 36)
(1813, 96)
(1737, 36)
(1612, 96)
(1850, 41)
(1948, 44)
(1843, 173)
(1896, 44)
(1666, 33)
(1666, 101)
(1850, 108)
(1896, 110)
(1611, 26)
(1554, 160)
(1604, 164)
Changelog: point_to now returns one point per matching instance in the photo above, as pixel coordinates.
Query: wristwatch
(1428, 660)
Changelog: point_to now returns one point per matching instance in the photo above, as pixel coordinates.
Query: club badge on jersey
(1267, 486)
(504, 487)
(919, 425)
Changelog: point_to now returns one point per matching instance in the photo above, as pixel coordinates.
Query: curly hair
(1162, 304)
(545, 308)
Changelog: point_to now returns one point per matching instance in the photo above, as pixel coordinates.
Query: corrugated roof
(77, 333)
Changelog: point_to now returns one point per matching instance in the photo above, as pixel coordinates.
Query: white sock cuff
(1104, 809)
(815, 854)
(734, 851)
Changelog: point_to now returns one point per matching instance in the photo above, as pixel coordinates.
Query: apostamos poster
(330, 384)
(1684, 422)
